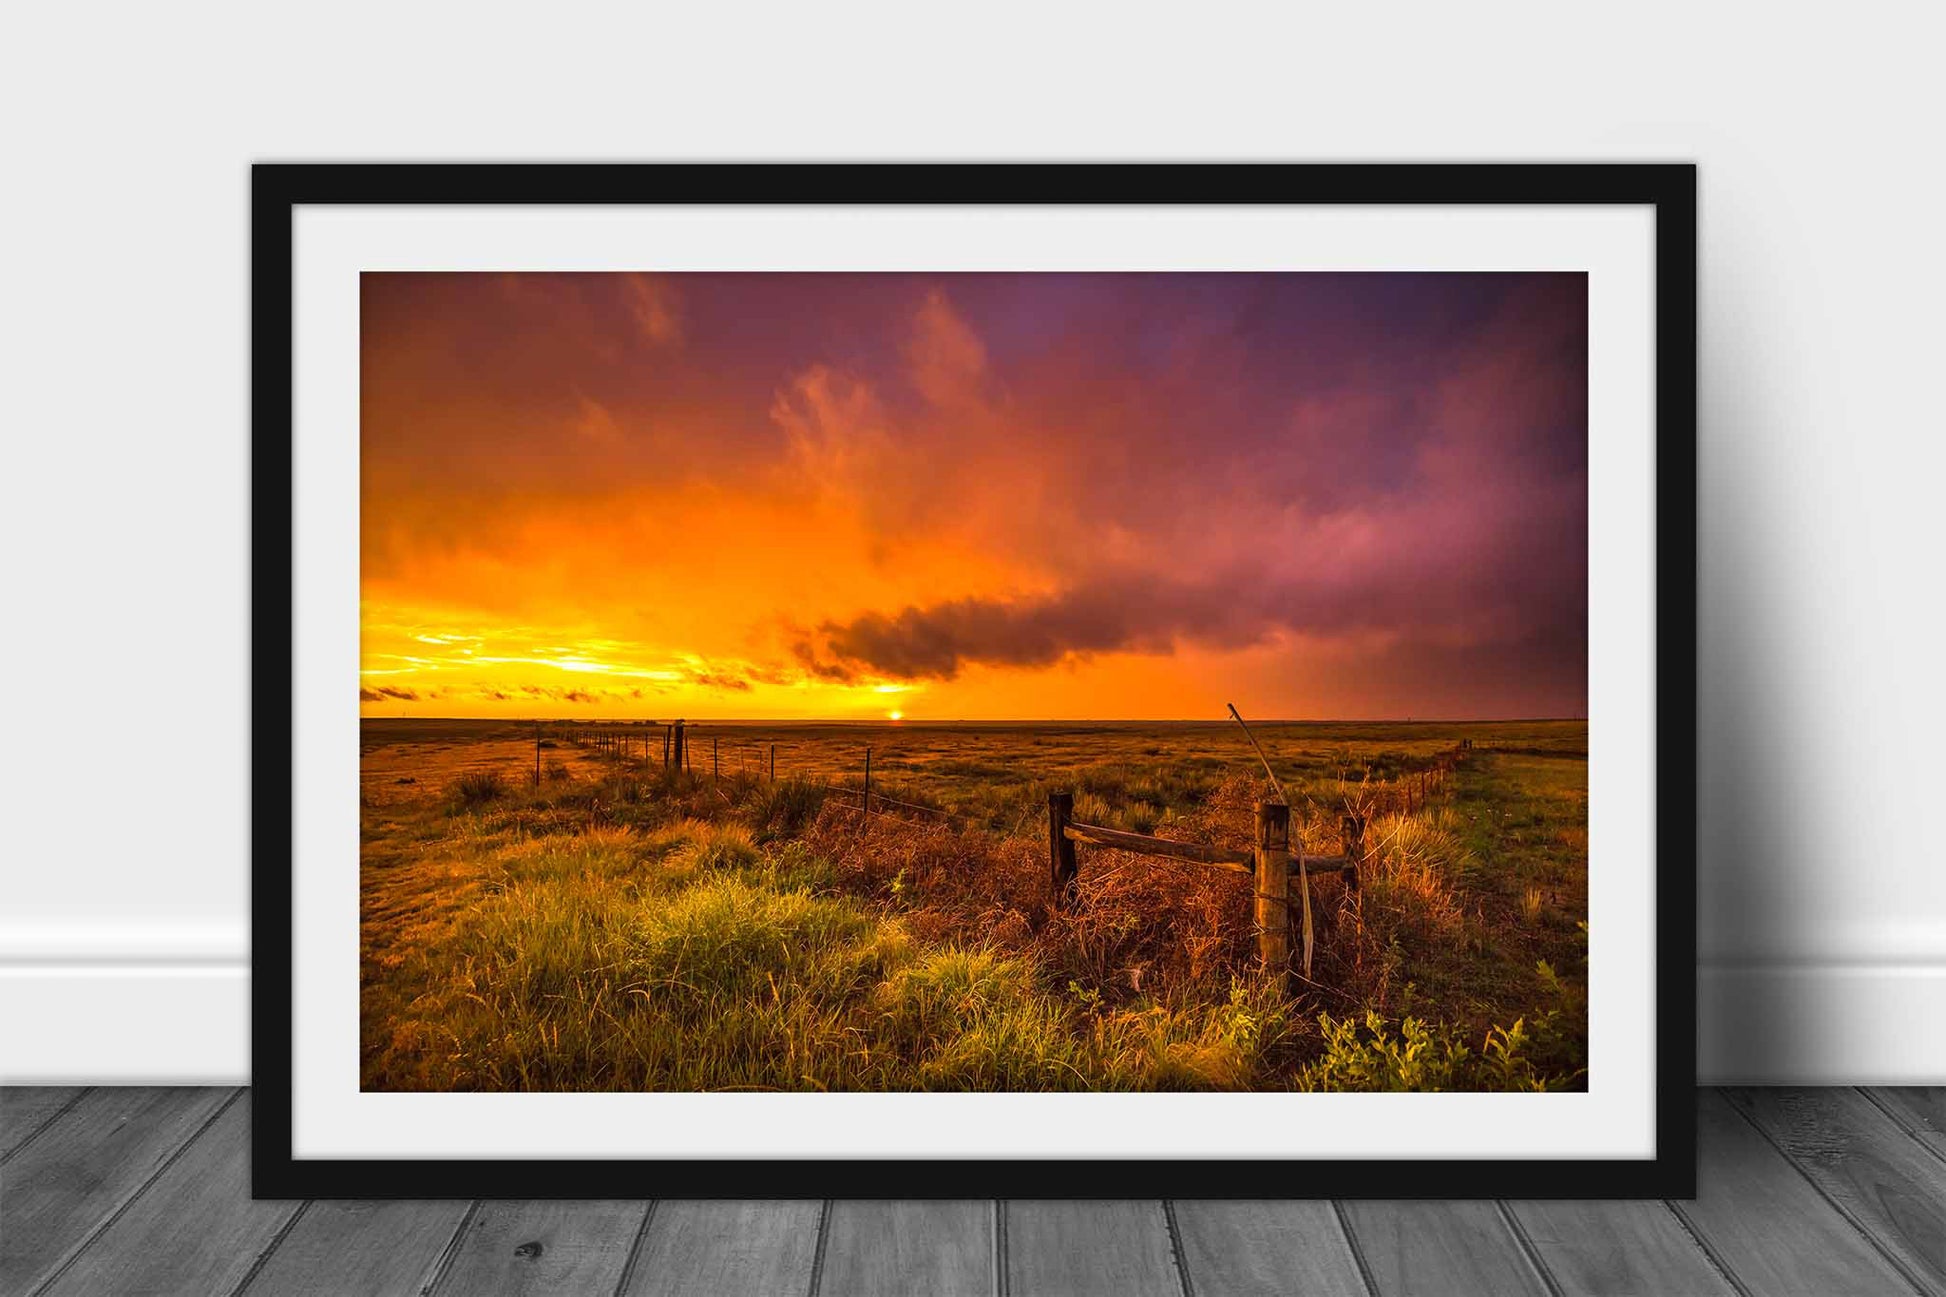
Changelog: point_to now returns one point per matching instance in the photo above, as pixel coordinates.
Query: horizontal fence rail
(1235, 860)
(1270, 864)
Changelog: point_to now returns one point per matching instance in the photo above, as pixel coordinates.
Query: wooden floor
(1827, 1193)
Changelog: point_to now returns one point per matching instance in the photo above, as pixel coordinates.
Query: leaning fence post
(1274, 886)
(1060, 849)
(1304, 896)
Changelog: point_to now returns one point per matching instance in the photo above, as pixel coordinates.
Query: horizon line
(910, 721)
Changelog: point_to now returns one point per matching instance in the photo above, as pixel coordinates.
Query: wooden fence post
(868, 782)
(537, 756)
(668, 737)
(1274, 886)
(773, 763)
(1351, 832)
(715, 768)
(1060, 849)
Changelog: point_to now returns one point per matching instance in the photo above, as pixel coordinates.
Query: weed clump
(1424, 1057)
(478, 788)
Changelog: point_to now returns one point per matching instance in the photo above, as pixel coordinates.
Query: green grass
(689, 959)
(624, 928)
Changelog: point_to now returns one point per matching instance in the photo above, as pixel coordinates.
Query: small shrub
(472, 791)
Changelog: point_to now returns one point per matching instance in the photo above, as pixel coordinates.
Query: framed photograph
(953, 681)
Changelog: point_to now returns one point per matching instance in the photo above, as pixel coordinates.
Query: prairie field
(622, 926)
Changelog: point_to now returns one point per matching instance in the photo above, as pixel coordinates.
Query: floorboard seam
(1357, 1252)
(999, 1212)
(450, 1252)
(1858, 1227)
(630, 1262)
(263, 1257)
(121, 1209)
(1526, 1248)
(1901, 1121)
(817, 1257)
(46, 1121)
(1183, 1280)
(1708, 1249)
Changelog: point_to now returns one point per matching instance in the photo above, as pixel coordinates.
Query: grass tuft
(476, 789)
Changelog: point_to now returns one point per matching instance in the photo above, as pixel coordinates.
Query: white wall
(123, 906)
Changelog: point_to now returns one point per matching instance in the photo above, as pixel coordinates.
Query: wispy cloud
(657, 307)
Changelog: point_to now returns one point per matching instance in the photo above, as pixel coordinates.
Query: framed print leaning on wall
(974, 680)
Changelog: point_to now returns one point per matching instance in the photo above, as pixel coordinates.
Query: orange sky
(1002, 496)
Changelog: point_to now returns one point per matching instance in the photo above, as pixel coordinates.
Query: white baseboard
(1821, 1024)
(177, 1023)
(186, 1020)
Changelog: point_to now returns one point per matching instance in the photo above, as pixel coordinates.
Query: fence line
(752, 759)
(1271, 862)
(1410, 792)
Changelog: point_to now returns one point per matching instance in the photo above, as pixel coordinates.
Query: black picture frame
(277, 189)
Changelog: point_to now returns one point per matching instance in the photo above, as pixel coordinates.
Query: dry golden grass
(621, 927)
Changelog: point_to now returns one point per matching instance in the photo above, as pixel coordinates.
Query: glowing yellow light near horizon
(895, 715)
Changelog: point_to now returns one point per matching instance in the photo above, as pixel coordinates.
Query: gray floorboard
(1266, 1249)
(1838, 1193)
(379, 1249)
(26, 1110)
(1441, 1249)
(909, 1249)
(86, 1166)
(1870, 1169)
(195, 1230)
(753, 1249)
(525, 1249)
(1768, 1225)
(1618, 1249)
(1921, 1112)
(1090, 1249)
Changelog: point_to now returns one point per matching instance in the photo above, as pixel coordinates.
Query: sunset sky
(1018, 496)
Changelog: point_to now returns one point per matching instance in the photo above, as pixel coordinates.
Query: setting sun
(895, 716)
